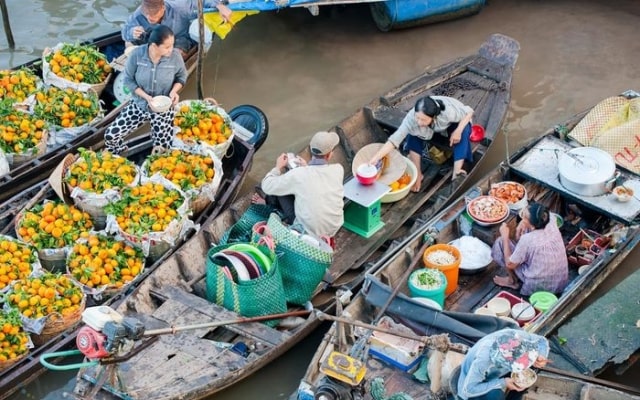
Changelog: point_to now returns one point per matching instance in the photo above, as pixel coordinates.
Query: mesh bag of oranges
(75, 66)
(68, 112)
(14, 341)
(23, 136)
(198, 175)
(18, 84)
(202, 124)
(95, 179)
(49, 303)
(153, 215)
(103, 265)
(18, 260)
(51, 227)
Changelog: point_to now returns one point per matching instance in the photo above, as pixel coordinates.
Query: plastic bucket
(451, 271)
(436, 295)
(543, 300)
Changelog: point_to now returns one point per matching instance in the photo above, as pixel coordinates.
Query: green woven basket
(302, 265)
(241, 230)
(260, 296)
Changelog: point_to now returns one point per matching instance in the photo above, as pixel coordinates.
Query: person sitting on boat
(155, 69)
(537, 259)
(442, 114)
(314, 191)
(485, 372)
(175, 15)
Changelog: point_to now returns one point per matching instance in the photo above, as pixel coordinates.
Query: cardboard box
(400, 352)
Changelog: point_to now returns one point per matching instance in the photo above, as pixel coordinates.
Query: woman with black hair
(154, 69)
(537, 260)
(442, 114)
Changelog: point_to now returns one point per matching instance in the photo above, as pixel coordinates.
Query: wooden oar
(440, 342)
(174, 329)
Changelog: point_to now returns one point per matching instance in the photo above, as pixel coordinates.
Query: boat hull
(399, 14)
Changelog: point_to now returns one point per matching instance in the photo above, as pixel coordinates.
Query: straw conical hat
(392, 169)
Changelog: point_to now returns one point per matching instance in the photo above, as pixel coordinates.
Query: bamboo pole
(7, 25)
(200, 68)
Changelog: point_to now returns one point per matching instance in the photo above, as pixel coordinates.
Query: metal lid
(586, 165)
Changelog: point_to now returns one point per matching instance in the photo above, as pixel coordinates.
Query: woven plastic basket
(57, 324)
(17, 159)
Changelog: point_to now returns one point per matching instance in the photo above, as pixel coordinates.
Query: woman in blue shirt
(154, 69)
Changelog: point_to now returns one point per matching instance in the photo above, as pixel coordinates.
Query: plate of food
(513, 193)
(488, 210)
(524, 379)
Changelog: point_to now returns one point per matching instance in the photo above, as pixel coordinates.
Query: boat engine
(343, 380)
(106, 332)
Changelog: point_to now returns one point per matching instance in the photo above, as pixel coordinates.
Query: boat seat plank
(254, 330)
(154, 374)
(389, 117)
(175, 313)
(610, 340)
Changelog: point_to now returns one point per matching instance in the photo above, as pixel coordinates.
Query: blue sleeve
(130, 71)
(127, 34)
(181, 72)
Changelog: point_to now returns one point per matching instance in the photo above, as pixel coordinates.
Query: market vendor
(176, 15)
(485, 372)
(537, 259)
(314, 191)
(442, 114)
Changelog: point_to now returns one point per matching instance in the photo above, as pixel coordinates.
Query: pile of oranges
(53, 225)
(79, 63)
(16, 260)
(147, 208)
(49, 294)
(186, 170)
(67, 108)
(200, 123)
(18, 84)
(401, 183)
(103, 261)
(20, 132)
(100, 171)
(13, 340)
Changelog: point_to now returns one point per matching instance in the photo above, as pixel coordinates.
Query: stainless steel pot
(587, 171)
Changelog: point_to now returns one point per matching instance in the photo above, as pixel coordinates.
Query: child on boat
(442, 114)
(537, 259)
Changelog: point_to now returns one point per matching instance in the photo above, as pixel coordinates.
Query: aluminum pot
(587, 171)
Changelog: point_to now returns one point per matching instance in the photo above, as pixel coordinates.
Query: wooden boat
(29, 173)
(399, 14)
(386, 292)
(249, 134)
(191, 365)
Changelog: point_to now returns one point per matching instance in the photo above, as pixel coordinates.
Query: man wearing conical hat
(177, 15)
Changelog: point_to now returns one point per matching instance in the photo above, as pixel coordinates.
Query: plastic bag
(475, 253)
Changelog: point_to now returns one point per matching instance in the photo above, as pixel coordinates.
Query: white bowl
(160, 104)
(428, 302)
(500, 306)
(623, 194)
(402, 193)
(484, 311)
(524, 379)
(523, 312)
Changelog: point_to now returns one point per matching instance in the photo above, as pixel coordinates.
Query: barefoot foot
(505, 281)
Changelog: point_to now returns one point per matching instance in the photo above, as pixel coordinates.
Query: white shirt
(318, 191)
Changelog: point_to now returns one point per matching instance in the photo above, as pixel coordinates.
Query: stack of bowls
(242, 262)
(500, 306)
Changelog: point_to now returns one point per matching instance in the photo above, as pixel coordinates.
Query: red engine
(92, 343)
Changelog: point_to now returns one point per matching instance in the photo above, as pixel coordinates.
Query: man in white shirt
(317, 187)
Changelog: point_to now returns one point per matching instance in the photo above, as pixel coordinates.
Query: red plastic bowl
(477, 133)
(366, 174)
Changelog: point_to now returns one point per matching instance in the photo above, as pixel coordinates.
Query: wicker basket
(9, 363)
(199, 203)
(52, 79)
(17, 159)
(53, 260)
(220, 149)
(156, 248)
(57, 324)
